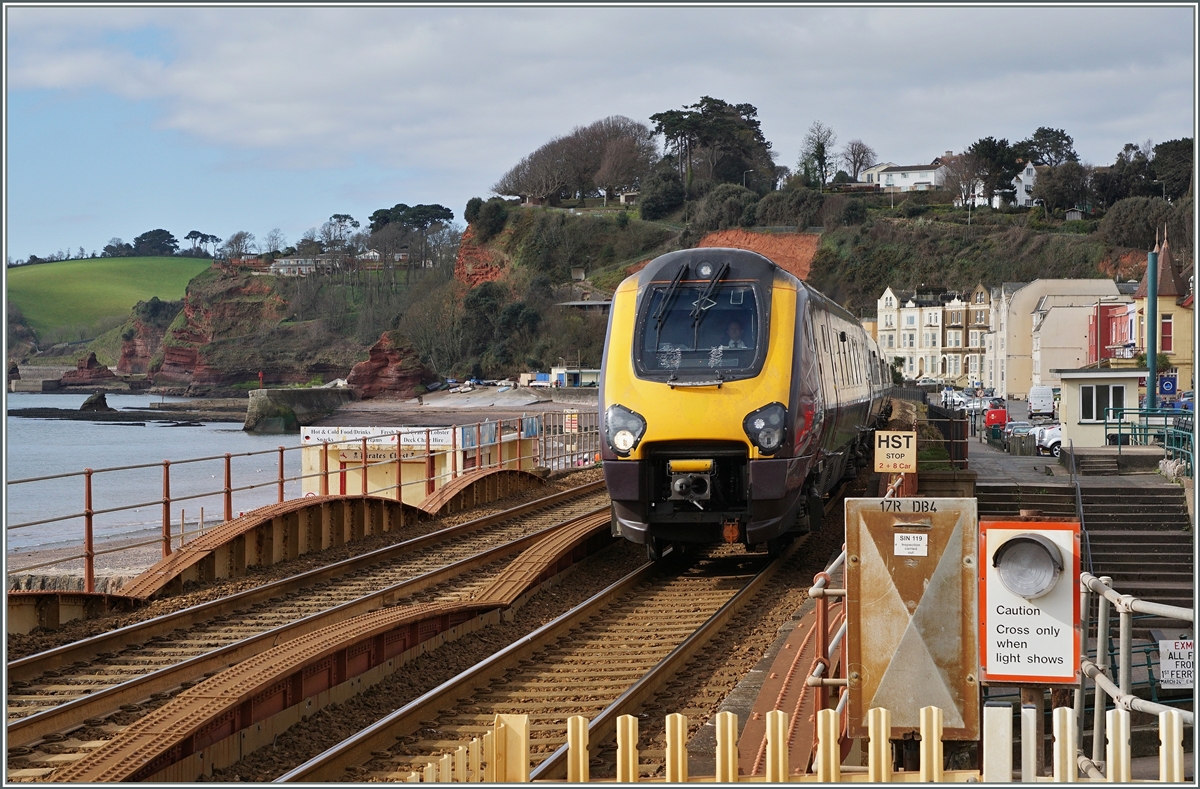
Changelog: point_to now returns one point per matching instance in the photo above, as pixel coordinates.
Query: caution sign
(1029, 602)
(895, 451)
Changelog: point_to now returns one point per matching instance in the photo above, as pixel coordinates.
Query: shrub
(472, 210)
(662, 193)
(853, 213)
(790, 207)
(723, 208)
(491, 219)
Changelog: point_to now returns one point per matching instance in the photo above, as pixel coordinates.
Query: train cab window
(688, 331)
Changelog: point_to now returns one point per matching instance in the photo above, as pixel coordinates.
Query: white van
(1041, 401)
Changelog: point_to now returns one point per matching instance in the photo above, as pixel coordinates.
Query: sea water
(50, 447)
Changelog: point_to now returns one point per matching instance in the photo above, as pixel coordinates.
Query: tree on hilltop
(715, 141)
(1064, 186)
(239, 245)
(1048, 146)
(858, 156)
(115, 248)
(1174, 167)
(542, 175)
(997, 165)
(155, 243)
(817, 152)
(964, 175)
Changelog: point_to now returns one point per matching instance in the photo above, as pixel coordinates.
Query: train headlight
(623, 429)
(1028, 565)
(766, 427)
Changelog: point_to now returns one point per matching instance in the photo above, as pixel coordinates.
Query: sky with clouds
(125, 119)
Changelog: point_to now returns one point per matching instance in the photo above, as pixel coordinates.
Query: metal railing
(557, 441)
(1169, 428)
(1120, 691)
(1085, 540)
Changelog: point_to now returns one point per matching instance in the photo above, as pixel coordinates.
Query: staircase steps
(1098, 466)
(1139, 536)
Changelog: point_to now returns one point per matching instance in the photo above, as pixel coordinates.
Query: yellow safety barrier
(503, 755)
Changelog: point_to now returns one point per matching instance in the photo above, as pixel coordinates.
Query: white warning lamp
(1028, 564)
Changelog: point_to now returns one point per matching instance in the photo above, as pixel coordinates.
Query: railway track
(242, 708)
(600, 660)
(53, 692)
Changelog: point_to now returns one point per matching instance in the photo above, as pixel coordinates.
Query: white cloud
(457, 95)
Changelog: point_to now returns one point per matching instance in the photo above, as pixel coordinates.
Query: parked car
(989, 392)
(976, 405)
(926, 382)
(1048, 439)
(1015, 429)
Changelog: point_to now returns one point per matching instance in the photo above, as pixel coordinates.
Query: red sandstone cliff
(476, 264)
(138, 352)
(392, 368)
(87, 372)
(232, 328)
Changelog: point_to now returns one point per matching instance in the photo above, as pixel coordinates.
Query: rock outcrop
(88, 372)
(138, 352)
(392, 368)
(476, 264)
(97, 402)
(288, 410)
(232, 327)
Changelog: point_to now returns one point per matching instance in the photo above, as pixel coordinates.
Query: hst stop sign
(895, 451)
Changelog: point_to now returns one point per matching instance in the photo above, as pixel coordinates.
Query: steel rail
(604, 725)
(328, 766)
(252, 690)
(1127, 701)
(32, 665)
(73, 713)
(1129, 603)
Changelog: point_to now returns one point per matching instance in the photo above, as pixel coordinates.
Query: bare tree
(964, 177)
(434, 325)
(858, 156)
(309, 244)
(542, 174)
(620, 167)
(818, 151)
(238, 245)
(274, 241)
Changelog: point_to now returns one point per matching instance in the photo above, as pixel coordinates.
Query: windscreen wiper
(660, 315)
(699, 310)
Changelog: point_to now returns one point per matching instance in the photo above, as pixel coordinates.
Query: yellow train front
(733, 398)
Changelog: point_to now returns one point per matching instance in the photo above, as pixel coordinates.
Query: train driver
(734, 335)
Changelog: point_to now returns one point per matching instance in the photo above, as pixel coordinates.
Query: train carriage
(733, 398)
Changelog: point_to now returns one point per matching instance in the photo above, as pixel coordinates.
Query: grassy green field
(74, 296)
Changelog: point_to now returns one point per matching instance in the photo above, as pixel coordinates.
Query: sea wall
(576, 395)
(287, 410)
